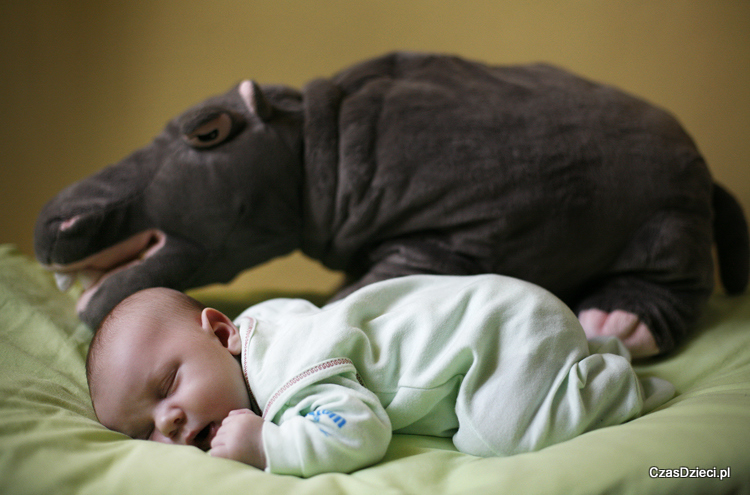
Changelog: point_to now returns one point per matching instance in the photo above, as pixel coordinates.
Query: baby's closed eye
(169, 384)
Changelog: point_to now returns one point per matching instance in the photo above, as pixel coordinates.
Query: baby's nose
(170, 422)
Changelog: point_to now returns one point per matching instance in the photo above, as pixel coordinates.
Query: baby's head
(163, 367)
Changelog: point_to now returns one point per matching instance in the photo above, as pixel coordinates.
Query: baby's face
(172, 384)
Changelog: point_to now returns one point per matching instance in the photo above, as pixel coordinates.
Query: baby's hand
(239, 438)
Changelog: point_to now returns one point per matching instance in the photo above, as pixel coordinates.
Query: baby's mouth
(203, 438)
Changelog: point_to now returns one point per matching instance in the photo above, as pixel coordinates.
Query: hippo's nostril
(65, 225)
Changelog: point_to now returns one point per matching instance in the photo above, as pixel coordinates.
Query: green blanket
(50, 441)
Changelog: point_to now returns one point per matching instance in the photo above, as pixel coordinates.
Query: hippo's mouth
(93, 270)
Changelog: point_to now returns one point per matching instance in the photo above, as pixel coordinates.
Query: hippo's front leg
(406, 257)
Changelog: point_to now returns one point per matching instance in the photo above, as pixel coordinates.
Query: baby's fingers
(240, 411)
(219, 447)
(239, 438)
(219, 451)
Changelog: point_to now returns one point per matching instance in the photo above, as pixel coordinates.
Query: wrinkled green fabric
(50, 441)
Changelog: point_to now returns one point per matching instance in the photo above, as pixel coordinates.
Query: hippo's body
(415, 164)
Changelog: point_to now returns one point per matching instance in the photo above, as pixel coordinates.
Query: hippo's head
(216, 192)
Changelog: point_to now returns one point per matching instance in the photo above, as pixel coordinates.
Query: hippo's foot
(621, 324)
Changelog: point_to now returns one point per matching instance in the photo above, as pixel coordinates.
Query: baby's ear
(221, 326)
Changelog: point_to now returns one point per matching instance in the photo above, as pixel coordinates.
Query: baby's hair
(156, 304)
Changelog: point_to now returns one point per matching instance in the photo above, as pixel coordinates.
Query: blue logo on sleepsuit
(315, 416)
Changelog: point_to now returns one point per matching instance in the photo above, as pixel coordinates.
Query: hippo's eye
(211, 133)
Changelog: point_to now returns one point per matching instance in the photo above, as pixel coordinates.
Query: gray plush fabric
(414, 163)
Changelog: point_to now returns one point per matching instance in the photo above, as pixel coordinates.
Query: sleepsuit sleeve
(334, 425)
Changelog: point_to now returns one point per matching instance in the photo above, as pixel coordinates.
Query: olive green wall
(85, 82)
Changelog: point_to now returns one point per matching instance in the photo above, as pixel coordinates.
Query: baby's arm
(333, 425)
(239, 438)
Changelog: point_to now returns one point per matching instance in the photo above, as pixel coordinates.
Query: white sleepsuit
(499, 365)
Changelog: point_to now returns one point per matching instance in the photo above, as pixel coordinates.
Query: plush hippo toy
(416, 163)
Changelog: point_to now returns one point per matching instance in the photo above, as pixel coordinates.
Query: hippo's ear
(254, 99)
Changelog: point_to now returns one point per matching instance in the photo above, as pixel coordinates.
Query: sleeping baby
(497, 364)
